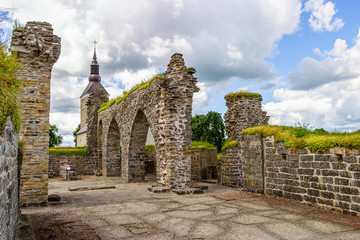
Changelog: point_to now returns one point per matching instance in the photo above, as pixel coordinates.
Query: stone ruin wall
(330, 179)
(9, 206)
(243, 112)
(165, 106)
(38, 48)
(81, 163)
(203, 164)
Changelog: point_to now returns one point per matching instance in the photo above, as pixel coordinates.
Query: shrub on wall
(9, 86)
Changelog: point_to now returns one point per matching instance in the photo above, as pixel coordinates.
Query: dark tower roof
(94, 69)
(94, 78)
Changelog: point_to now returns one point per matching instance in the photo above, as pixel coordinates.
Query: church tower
(94, 83)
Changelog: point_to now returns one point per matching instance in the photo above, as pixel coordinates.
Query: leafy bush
(9, 86)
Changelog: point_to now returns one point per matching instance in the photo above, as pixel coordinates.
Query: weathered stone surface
(243, 112)
(165, 109)
(317, 178)
(203, 164)
(38, 50)
(9, 207)
(242, 166)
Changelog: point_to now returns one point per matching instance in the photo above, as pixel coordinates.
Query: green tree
(209, 128)
(74, 134)
(54, 139)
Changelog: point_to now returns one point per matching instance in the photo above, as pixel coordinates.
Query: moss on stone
(125, 95)
(235, 95)
(205, 145)
(150, 147)
(67, 151)
(314, 141)
(19, 29)
(219, 156)
(229, 143)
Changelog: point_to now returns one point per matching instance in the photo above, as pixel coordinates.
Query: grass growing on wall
(229, 143)
(235, 95)
(125, 95)
(67, 151)
(301, 137)
(206, 145)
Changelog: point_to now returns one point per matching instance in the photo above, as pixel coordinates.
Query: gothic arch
(112, 163)
(164, 106)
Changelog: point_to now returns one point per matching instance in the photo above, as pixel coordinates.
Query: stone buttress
(38, 48)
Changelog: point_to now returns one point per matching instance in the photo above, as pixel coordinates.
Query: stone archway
(137, 154)
(112, 164)
(163, 104)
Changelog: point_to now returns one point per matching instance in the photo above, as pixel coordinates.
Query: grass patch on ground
(301, 137)
(125, 95)
(235, 95)
(67, 151)
(229, 143)
(150, 147)
(206, 145)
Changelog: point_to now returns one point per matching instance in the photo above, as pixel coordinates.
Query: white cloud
(201, 98)
(137, 38)
(322, 14)
(234, 53)
(331, 106)
(339, 63)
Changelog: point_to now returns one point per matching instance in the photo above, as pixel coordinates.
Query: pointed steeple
(94, 68)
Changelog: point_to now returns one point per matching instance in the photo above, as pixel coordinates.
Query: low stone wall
(203, 164)
(330, 179)
(231, 168)
(84, 165)
(251, 157)
(9, 201)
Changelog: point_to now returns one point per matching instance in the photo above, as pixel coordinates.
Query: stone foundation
(38, 50)
(9, 205)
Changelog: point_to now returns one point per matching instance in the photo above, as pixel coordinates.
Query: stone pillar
(92, 105)
(175, 108)
(38, 48)
(244, 110)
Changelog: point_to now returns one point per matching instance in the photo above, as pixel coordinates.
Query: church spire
(94, 68)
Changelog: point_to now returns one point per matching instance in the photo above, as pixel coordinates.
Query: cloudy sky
(303, 56)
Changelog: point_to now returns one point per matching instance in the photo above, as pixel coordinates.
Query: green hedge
(67, 151)
(300, 137)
